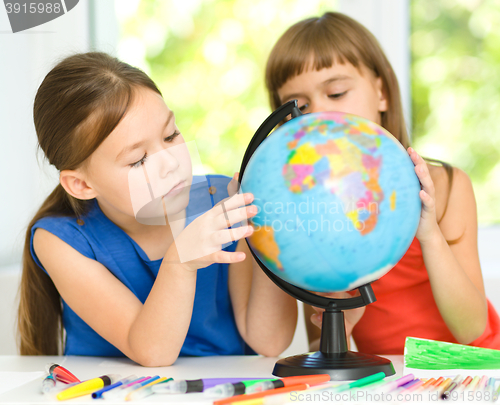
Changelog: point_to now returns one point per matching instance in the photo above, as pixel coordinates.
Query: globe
(338, 201)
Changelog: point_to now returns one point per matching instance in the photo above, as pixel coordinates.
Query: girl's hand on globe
(200, 243)
(428, 226)
(351, 316)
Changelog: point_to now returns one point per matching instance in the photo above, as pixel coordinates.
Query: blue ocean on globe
(338, 201)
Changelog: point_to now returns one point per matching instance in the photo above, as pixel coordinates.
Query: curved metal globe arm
(265, 129)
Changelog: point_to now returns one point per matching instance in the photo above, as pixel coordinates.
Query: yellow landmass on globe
(305, 155)
(392, 199)
(263, 241)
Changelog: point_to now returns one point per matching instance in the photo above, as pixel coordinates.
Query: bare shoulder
(46, 245)
(54, 253)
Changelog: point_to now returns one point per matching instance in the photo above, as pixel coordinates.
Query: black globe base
(333, 357)
(345, 366)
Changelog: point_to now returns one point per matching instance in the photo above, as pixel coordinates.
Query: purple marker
(396, 383)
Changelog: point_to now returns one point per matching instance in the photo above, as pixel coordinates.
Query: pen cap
(192, 385)
(61, 373)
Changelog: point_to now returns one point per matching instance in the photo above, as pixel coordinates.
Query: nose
(317, 105)
(168, 162)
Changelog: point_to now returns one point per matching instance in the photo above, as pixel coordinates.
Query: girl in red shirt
(436, 291)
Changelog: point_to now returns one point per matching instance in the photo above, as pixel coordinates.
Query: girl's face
(145, 158)
(341, 87)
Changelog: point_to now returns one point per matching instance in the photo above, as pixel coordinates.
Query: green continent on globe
(343, 168)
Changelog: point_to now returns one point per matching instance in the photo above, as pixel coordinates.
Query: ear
(75, 184)
(382, 96)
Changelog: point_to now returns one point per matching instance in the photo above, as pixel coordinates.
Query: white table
(184, 368)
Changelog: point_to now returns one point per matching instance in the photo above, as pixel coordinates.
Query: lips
(176, 189)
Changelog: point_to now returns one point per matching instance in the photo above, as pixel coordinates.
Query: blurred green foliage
(455, 46)
(208, 59)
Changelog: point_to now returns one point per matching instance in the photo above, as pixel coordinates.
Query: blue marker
(98, 394)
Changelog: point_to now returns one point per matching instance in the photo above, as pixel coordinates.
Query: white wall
(389, 21)
(25, 178)
(26, 57)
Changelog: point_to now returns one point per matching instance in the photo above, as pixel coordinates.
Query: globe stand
(333, 358)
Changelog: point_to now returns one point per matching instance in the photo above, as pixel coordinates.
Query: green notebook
(429, 358)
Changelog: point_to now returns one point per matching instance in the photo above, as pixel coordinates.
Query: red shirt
(405, 307)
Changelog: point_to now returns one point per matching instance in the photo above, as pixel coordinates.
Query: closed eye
(337, 95)
(171, 137)
(140, 162)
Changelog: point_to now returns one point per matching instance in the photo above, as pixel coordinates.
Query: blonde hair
(331, 38)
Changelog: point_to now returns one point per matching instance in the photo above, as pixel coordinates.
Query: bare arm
(113, 311)
(454, 270)
(265, 315)
(151, 334)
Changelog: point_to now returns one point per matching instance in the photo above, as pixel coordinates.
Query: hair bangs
(308, 46)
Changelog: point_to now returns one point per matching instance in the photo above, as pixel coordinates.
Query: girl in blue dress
(101, 276)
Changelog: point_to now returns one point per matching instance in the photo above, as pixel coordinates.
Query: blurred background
(208, 59)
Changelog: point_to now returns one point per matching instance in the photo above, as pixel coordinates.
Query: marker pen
(232, 389)
(490, 387)
(48, 384)
(311, 380)
(87, 387)
(392, 385)
(464, 384)
(437, 383)
(61, 373)
(473, 384)
(256, 395)
(145, 391)
(126, 380)
(187, 386)
(122, 393)
(115, 392)
(446, 393)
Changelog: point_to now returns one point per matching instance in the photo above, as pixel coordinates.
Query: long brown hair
(79, 103)
(337, 38)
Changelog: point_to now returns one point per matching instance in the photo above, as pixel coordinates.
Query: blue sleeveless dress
(212, 330)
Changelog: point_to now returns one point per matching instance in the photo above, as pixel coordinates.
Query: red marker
(61, 373)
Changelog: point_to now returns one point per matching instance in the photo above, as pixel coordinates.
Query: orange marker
(245, 397)
(437, 383)
(427, 384)
(442, 387)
